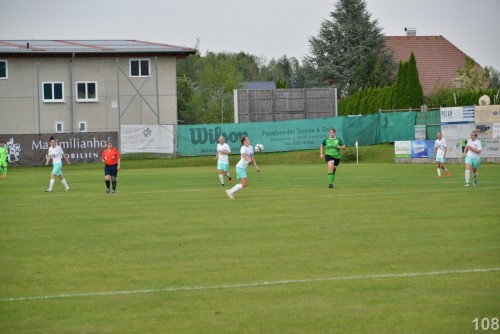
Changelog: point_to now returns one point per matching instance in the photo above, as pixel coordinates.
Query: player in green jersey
(3, 159)
(330, 151)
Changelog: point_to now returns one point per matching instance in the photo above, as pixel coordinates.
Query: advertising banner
(147, 139)
(402, 149)
(275, 136)
(80, 147)
(420, 132)
(457, 115)
(454, 131)
(495, 130)
(487, 114)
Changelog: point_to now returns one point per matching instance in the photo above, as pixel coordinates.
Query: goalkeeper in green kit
(3, 159)
(330, 151)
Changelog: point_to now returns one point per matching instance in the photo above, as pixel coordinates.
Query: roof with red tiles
(437, 59)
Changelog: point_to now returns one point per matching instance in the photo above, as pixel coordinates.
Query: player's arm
(216, 155)
(65, 156)
(341, 145)
(321, 150)
(255, 164)
(118, 167)
(48, 159)
(246, 157)
(445, 150)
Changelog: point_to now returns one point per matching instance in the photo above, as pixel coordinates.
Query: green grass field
(391, 249)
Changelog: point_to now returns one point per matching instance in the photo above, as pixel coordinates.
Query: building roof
(89, 47)
(437, 59)
(259, 85)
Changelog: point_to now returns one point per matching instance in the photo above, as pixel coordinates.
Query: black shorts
(111, 170)
(336, 161)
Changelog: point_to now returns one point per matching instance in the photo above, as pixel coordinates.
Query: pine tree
(414, 92)
(349, 51)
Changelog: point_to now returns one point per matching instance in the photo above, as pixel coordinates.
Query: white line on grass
(249, 285)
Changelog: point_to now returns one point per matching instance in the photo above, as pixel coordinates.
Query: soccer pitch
(391, 249)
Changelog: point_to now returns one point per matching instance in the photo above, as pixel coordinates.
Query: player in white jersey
(472, 158)
(241, 168)
(56, 154)
(440, 154)
(222, 156)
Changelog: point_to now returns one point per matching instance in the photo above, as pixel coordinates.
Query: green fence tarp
(202, 139)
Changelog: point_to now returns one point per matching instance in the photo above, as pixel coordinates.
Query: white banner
(457, 115)
(455, 148)
(457, 131)
(147, 139)
(495, 130)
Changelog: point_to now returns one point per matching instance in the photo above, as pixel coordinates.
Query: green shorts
(56, 169)
(441, 160)
(241, 173)
(474, 162)
(222, 166)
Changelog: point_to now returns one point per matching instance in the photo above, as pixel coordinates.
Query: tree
(349, 51)
(473, 77)
(414, 92)
(494, 77)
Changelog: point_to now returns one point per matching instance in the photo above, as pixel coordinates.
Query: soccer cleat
(439, 176)
(229, 194)
(107, 190)
(467, 184)
(113, 191)
(48, 190)
(222, 184)
(330, 185)
(230, 179)
(67, 189)
(448, 173)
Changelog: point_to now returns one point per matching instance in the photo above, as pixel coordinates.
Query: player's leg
(468, 163)
(438, 168)
(446, 171)
(331, 167)
(226, 173)
(3, 169)
(336, 163)
(220, 171)
(241, 173)
(114, 174)
(63, 180)
(475, 166)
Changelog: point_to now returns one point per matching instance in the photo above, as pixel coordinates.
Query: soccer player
(56, 154)
(440, 154)
(3, 159)
(222, 156)
(241, 167)
(473, 157)
(111, 160)
(330, 151)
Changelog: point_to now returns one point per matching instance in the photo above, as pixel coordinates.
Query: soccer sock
(221, 178)
(107, 183)
(236, 188)
(228, 175)
(467, 176)
(113, 183)
(65, 183)
(330, 177)
(439, 171)
(51, 184)
(475, 176)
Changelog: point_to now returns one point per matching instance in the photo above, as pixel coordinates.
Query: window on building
(59, 126)
(139, 67)
(3, 69)
(82, 126)
(86, 91)
(53, 92)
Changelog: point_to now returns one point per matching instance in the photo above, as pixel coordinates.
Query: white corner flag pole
(357, 153)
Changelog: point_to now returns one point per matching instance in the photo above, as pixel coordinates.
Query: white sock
(467, 176)
(221, 178)
(51, 184)
(65, 183)
(439, 171)
(236, 188)
(228, 175)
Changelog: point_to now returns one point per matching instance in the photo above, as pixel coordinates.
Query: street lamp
(458, 85)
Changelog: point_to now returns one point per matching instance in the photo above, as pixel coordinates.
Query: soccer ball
(259, 148)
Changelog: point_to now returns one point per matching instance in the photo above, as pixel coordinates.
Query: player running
(330, 151)
(56, 154)
(241, 167)
(111, 159)
(222, 156)
(3, 159)
(473, 157)
(440, 154)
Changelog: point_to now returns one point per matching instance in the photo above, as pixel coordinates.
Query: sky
(264, 28)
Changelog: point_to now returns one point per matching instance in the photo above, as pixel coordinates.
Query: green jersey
(3, 154)
(331, 146)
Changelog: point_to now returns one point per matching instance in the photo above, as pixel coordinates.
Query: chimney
(411, 31)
